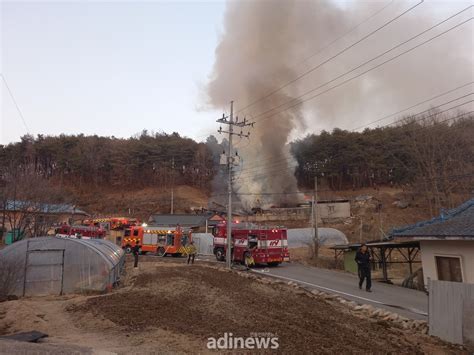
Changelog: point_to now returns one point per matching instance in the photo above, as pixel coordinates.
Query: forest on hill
(434, 156)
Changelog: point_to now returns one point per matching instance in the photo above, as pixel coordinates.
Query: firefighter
(249, 260)
(363, 260)
(191, 252)
(136, 251)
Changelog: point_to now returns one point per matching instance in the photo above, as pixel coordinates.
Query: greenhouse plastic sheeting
(300, 237)
(204, 243)
(54, 265)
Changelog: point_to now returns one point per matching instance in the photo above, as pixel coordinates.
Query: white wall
(460, 248)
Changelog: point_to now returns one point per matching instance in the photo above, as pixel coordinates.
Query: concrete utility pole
(230, 162)
(172, 186)
(315, 218)
(228, 255)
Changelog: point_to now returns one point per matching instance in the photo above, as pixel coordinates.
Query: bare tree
(443, 149)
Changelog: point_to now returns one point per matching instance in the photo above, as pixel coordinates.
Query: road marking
(413, 310)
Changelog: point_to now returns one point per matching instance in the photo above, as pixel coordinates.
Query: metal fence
(451, 311)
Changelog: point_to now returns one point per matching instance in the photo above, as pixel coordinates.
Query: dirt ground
(167, 306)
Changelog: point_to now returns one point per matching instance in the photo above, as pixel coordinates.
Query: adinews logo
(254, 341)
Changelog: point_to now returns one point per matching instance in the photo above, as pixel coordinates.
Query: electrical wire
(15, 103)
(394, 122)
(333, 57)
(298, 100)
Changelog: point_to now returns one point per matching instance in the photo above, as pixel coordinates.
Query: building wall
(326, 211)
(460, 248)
(330, 210)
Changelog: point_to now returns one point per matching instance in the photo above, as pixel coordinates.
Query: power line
(320, 50)
(249, 176)
(349, 32)
(286, 160)
(15, 103)
(299, 102)
(453, 177)
(392, 114)
(408, 108)
(333, 57)
(434, 114)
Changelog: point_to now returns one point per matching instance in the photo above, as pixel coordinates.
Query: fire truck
(162, 241)
(112, 223)
(85, 232)
(266, 245)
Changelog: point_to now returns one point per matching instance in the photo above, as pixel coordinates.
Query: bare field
(172, 307)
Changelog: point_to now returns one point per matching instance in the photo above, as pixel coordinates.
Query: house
(197, 222)
(20, 218)
(447, 244)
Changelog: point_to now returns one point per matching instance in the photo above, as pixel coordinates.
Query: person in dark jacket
(136, 251)
(363, 260)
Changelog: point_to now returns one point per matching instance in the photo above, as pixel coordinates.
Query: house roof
(189, 220)
(457, 223)
(39, 207)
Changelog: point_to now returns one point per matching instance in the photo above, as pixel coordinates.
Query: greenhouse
(300, 237)
(56, 266)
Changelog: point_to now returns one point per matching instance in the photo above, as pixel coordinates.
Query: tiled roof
(39, 207)
(189, 220)
(458, 222)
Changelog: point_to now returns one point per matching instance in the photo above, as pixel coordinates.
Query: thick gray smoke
(262, 48)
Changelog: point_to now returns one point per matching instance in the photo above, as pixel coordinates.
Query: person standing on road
(363, 260)
(136, 251)
(191, 252)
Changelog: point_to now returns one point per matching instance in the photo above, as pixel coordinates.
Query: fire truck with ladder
(162, 241)
(266, 245)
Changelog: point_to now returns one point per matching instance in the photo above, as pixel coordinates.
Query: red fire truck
(85, 232)
(266, 245)
(112, 223)
(160, 240)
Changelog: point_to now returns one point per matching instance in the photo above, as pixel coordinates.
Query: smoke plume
(262, 48)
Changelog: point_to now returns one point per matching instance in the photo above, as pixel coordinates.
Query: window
(135, 232)
(449, 268)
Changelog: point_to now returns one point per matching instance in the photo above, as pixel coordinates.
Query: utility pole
(230, 162)
(315, 218)
(172, 186)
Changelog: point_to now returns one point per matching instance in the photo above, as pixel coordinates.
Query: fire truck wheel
(220, 256)
(273, 264)
(128, 249)
(160, 251)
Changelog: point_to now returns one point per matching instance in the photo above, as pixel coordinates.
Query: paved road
(409, 303)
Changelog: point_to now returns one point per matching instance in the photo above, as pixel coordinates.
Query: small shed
(348, 252)
(56, 266)
(204, 243)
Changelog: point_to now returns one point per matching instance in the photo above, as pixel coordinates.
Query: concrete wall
(326, 211)
(329, 210)
(450, 312)
(460, 248)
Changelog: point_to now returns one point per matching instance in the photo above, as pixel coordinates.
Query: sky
(115, 68)
(107, 68)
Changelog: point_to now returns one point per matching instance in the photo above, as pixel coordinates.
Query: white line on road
(346, 294)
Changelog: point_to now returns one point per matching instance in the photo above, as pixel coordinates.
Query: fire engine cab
(266, 245)
(163, 241)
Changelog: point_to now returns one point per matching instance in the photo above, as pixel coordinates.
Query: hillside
(143, 202)
(140, 202)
